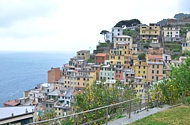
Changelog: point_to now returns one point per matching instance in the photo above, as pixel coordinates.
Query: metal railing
(126, 108)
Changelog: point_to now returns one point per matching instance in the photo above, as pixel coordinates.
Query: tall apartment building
(151, 32)
(155, 68)
(54, 74)
(121, 54)
(141, 69)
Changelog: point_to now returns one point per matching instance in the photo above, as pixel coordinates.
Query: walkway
(136, 116)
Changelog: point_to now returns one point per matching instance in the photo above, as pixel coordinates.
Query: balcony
(159, 63)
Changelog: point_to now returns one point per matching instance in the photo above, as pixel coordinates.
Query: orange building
(155, 68)
(54, 74)
(101, 57)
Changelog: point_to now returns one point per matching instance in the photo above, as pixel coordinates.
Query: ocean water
(21, 71)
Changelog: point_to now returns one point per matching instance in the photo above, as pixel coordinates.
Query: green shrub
(187, 100)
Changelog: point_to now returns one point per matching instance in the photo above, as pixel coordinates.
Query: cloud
(15, 10)
(184, 6)
(49, 25)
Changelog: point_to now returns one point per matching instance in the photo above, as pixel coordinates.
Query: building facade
(151, 32)
(83, 54)
(100, 58)
(171, 34)
(54, 74)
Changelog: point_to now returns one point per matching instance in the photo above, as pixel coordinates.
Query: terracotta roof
(154, 56)
(12, 103)
(101, 54)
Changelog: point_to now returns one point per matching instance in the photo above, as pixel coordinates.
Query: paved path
(136, 116)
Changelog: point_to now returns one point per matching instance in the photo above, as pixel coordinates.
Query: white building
(107, 72)
(19, 115)
(171, 34)
(117, 31)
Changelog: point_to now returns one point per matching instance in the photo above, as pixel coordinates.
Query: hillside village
(133, 53)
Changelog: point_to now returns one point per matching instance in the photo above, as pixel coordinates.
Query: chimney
(12, 114)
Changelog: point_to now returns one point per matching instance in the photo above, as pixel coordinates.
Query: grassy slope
(176, 116)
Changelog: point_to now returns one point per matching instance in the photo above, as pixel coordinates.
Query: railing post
(130, 108)
(171, 98)
(74, 118)
(147, 102)
(140, 105)
(157, 99)
(183, 97)
(107, 116)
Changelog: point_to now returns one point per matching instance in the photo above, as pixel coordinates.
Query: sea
(21, 71)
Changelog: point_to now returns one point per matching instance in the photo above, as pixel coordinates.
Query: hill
(128, 23)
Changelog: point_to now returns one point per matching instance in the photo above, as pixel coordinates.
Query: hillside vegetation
(176, 116)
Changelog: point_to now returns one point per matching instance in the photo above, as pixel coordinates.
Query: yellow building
(138, 86)
(151, 32)
(79, 77)
(123, 38)
(141, 69)
(121, 54)
(186, 45)
(83, 54)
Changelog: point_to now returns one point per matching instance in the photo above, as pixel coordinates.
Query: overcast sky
(71, 25)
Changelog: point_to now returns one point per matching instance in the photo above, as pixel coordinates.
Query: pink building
(155, 68)
(119, 72)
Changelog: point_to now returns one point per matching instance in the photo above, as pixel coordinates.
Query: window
(124, 39)
(46, 105)
(78, 78)
(152, 77)
(139, 72)
(152, 71)
(157, 66)
(139, 67)
(144, 67)
(120, 39)
(78, 83)
(157, 78)
(152, 66)
(50, 105)
(128, 39)
(102, 58)
(143, 72)
(83, 84)
(126, 80)
(157, 71)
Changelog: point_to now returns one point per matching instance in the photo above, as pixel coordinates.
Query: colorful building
(119, 72)
(141, 69)
(121, 55)
(171, 34)
(123, 38)
(101, 57)
(151, 32)
(107, 72)
(83, 54)
(128, 76)
(54, 74)
(155, 68)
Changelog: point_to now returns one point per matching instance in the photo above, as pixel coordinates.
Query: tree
(141, 56)
(104, 32)
(99, 95)
(176, 84)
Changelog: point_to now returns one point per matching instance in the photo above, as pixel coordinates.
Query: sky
(72, 25)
